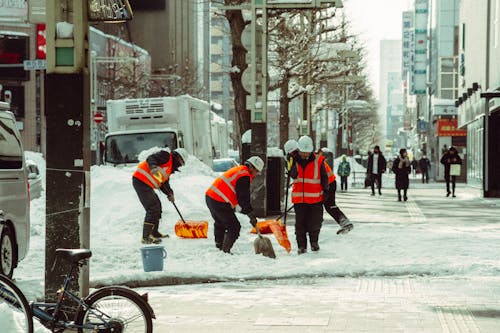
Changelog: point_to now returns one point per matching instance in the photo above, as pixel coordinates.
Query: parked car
(223, 164)
(14, 194)
(35, 179)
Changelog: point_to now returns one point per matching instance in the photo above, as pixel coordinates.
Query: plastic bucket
(152, 257)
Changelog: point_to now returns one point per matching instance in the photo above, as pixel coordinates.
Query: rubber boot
(158, 234)
(229, 240)
(313, 238)
(147, 237)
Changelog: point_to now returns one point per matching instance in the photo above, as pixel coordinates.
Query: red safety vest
(307, 187)
(223, 188)
(154, 181)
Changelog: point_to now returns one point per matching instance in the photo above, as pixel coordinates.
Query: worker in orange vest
(329, 198)
(310, 181)
(152, 174)
(228, 193)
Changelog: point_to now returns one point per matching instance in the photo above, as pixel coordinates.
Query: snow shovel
(190, 229)
(263, 245)
(265, 226)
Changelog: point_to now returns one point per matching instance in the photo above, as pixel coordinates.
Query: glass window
(11, 154)
(125, 148)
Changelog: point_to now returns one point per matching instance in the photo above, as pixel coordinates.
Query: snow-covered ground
(391, 247)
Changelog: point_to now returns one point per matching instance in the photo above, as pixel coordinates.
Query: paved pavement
(366, 304)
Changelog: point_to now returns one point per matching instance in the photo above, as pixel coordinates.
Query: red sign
(98, 118)
(41, 43)
(448, 127)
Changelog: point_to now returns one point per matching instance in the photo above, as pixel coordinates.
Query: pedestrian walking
(229, 192)
(376, 167)
(344, 171)
(425, 166)
(451, 159)
(151, 174)
(310, 181)
(329, 200)
(414, 167)
(401, 168)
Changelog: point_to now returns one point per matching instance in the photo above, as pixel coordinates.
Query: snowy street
(426, 246)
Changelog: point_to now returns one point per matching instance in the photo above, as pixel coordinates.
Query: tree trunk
(237, 24)
(284, 111)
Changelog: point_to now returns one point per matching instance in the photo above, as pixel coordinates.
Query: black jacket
(382, 164)
(424, 164)
(243, 194)
(402, 181)
(449, 159)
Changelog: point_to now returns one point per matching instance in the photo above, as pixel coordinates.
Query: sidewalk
(413, 304)
(428, 303)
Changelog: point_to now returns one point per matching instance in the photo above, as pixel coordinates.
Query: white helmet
(256, 162)
(305, 144)
(183, 154)
(290, 146)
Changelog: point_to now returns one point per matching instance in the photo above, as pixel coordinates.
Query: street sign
(98, 118)
(33, 65)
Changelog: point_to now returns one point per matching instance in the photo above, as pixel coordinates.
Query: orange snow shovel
(190, 229)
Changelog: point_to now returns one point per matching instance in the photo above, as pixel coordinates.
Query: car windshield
(223, 165)
(125, 148)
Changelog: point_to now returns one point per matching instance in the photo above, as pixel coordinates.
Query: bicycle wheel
(15, 312)
(119, 308)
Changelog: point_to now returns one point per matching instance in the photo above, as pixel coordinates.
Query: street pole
(67, 134)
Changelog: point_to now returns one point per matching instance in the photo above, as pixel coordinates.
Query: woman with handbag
(452, 168)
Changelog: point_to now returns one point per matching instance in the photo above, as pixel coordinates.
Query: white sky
(374, 21)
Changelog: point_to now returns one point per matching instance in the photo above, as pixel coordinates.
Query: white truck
(135, 125)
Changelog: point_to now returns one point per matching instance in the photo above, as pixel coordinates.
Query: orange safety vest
(223, 188)
(329, 172)
(154, 181)
(307, 187)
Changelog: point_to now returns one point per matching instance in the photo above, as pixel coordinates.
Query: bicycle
(112, 309)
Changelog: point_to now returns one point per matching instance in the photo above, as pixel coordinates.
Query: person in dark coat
(376, 167)
(402, 168)
(425, 166)
(450, 157)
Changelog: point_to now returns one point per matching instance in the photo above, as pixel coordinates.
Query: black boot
(229, 240)
(399, 195)
(147, 237)
(313, 238)
(405, 197)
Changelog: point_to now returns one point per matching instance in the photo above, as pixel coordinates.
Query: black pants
(449, 179)
(308, 220)
(376, 178)
(332, 208)
(343, 183)
(225, 221)
(405, 192)
(425, 176)
(149, 200)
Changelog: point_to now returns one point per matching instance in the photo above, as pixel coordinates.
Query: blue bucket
(152, 257)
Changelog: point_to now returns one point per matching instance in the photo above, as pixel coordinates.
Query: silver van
(14, 195)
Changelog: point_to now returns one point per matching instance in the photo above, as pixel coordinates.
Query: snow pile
(40, 163)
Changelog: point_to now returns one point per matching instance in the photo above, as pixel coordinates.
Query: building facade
(479, 77)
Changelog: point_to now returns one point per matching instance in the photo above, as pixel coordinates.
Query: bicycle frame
(39, 309)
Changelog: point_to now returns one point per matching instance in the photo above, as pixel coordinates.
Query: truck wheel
(7, 252)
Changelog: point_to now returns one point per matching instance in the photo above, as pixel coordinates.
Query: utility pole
(68, 129)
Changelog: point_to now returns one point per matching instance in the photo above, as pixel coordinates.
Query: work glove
(289, 163)
(171, 197)
(253, 219)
